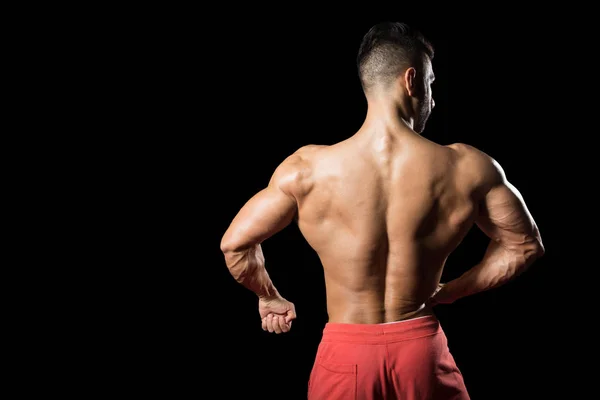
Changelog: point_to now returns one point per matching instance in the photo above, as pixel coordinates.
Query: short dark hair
(387, 49)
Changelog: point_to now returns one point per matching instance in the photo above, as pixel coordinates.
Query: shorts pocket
(331, 381)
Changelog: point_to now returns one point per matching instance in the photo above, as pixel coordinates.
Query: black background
(218, 101)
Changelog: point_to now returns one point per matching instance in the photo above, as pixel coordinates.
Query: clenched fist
(276, 314)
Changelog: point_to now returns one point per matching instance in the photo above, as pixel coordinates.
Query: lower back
(392, 288)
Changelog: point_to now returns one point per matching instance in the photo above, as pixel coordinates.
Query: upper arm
(503, 214)
(267, 212)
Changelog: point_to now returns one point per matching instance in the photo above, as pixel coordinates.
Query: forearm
(499, 266)
(248, 268)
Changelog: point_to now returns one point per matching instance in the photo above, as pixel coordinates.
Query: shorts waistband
(382, 333)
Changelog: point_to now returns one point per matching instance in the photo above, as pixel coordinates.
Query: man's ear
(410, 80)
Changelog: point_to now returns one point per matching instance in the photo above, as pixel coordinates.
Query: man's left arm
(266, 213)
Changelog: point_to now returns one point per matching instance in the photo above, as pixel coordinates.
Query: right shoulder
(303, 157)
(294, 174)
(485, 171)
(309, 149)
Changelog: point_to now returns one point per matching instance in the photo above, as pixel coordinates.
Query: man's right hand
(276, 314)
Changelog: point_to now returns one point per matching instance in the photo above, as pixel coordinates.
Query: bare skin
(383, 210)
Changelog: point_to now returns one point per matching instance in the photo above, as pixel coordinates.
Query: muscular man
(383, 210)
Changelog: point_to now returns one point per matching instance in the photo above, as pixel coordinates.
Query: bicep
(265, 214)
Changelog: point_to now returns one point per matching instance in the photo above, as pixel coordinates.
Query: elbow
(229, 250)
(230, 244)
(541, 250)
(532, 252)
(538, 249)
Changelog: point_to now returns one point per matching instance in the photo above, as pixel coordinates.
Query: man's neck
(387, 119)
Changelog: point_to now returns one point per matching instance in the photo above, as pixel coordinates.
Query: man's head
(396, 59)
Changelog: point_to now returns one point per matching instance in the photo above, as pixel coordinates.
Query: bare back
(383, 216)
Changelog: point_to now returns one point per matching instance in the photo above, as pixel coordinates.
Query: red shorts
(407, 360)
